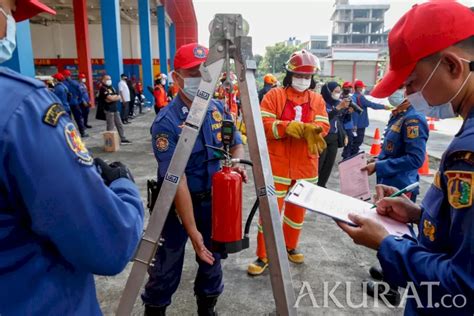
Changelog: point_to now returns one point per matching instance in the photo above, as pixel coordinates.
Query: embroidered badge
(216, 126)
(390, 146)
(216, 115)
(199, 52)
(413, 121)
(413, 131)
(162, 142)
(53, 114)
(219, 136)
(76, 145)
(460, 188)
(395, 128)
(184, 109)
(429, 230)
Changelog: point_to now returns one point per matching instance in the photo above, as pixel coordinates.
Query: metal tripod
(228, 40)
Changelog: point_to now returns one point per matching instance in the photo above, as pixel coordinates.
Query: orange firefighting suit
(161, 98)
(224, 94)
(290, 157)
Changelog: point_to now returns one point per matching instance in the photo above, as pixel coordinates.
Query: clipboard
(352, 181)
(338, 206)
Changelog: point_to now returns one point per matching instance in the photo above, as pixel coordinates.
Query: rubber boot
(151, 310)
(207, 305)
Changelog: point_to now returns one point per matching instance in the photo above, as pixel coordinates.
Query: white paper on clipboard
(338, 206)
(353, 181)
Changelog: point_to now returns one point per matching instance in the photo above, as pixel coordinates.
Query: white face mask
(108, 82)
(300, 84)
(83, 80)
(163, 82)
(442, 111)
(191, 86)
(335, 95)
(8, 43)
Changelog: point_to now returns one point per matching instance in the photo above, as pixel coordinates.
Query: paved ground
(331, 256)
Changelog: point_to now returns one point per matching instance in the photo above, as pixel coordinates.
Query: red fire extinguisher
(227, 201)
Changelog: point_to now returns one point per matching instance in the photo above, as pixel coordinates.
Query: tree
(258, 59)
(276, 57)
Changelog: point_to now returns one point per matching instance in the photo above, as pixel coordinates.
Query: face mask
(8, 44)
(336, 96)
(397, 97)
(300, 84)
(108, 82)
(191, 86)
(442, 111)
(163, 82)
(83, 80)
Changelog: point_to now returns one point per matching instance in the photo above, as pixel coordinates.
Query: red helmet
(303, 62)
(359, 84)
(66, 73)
(58, 76)
(82, 76)
(346, 85)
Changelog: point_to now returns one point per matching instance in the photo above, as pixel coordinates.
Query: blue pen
(409, 188)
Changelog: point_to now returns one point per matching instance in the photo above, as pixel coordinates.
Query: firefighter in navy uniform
(75, 101)
(61, 91)
(437, 70)
(55, 232)
(193, 198)
(404, 146)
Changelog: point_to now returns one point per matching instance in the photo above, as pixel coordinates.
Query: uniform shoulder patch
(53, 114)
(75, 143)
(413, 132)
(459, 188)
(162, 142)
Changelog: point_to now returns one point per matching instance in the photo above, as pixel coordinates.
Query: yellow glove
(316, 143)
(295, 129)
(310, 128)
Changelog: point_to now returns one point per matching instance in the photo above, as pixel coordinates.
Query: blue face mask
(8, 44)
(397, 97)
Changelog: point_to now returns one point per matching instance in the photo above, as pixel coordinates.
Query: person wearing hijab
(338, 113)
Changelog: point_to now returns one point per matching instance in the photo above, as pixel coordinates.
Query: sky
(273, 21)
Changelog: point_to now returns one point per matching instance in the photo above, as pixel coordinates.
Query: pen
(409, 188)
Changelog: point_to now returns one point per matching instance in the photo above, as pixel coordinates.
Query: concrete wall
(59, 40)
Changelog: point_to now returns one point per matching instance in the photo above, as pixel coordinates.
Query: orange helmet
(303, 62)
(270, 79)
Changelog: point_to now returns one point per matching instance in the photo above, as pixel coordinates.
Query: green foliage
(275, 58)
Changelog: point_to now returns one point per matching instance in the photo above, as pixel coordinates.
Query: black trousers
(124, 114)
(327, 159)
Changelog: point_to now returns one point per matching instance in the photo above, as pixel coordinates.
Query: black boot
(151, 310)
(392, 296)
(376, 273)
(207, 305)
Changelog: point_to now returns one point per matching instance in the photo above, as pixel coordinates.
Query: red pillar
(81, 24)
